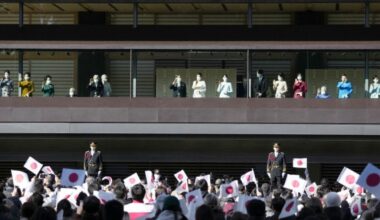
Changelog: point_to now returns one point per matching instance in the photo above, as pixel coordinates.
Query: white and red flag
(72, 177)
(33, 165)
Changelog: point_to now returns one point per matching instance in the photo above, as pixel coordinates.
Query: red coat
(299, 88)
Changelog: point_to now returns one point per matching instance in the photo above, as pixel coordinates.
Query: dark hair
(114, 210)
(37, 199)
(93, 142)
(204, 212)
(7, 71)
(202, 185)
(91, 205)
(45, 213)
(27, 209)
(200, 74)
(119, 190)
(255, 208)
(138, 192)
(343, 74)
(225, 75)
(260, 71)
(375, 77)
(277, 204)
(47, 76)
(281, 74)
(315, 204)
(28, 73)
(65, 205)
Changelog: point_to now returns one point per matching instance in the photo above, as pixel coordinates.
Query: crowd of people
(102, 88)
(203, 197)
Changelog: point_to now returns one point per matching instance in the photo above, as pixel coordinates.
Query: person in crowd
(344, 88)
(199, 87)
(171, 210)
(299, 87)
(47, 87)
(114, 210)
(6, 84)
(95, 87)
(204, 212)
(137, 209)
(26, 85)
(256, 209)
(322, 93)
(280, 86)
(276, 205)
(72, 93)
(332, 206)
(107, 90)
(178, 87)
(276, 166)
(224, 88)
(93, 161)
(260, 85)
(374, 88)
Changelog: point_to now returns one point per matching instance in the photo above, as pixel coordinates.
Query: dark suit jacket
(276, 165)
(179, 91)
(93, 163)
(93, 89)
(260, 87)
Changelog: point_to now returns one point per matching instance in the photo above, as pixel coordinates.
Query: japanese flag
(348, 178)
(358, 190)
(180, 176)
(300, 162)
(205, 177)
(295, 183)
(182, 187)
(48, 170)
(311, 190)
(289, 209)
(229, 190)
(104, 196)
(20, 179)
(33, 165)
(370, 179)
(193, 201)
(72, 177)
(356, 207)
(248, 177)
(64, 193)
(149, 179)
(132, 180)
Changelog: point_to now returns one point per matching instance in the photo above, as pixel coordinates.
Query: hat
(332, 199)
(171, 203)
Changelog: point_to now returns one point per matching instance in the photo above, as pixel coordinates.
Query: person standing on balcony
(6, 84)
(107, 90)
(299, 87)
(47, 87)
(224, 88)
(280, 86)
(26, 85)
(95, 87)
(322, 93)
(344, 88)
(260, 85)
(374, 88)
(199, 87)
(178, 87)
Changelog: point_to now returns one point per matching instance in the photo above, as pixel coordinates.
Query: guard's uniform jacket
(93, 163)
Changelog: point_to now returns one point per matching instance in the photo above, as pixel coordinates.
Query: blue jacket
(344, 90)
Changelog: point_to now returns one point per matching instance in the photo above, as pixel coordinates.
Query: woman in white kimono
(374, 88)
(224, 88)
(280, 86)
(199, 87)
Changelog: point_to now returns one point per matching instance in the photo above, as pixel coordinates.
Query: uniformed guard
(276, 166)
(93, 161)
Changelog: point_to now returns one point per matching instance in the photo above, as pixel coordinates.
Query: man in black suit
(178, 87)
(93, 161)
(260, 85)
(95, 87)
(276, 166)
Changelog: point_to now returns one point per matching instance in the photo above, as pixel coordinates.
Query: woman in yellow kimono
(27, 86)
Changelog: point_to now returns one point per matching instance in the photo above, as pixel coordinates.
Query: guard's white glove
(268, 175)
(86, 173)
(283, 174)
(99, 172)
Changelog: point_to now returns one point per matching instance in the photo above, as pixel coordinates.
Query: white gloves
(283, 174)
(268, 175)
(86, 173)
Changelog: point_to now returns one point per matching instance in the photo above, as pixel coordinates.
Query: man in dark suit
(95, 87)
(178, 87)
(276, 166)
(93, 161)
(260, 85)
